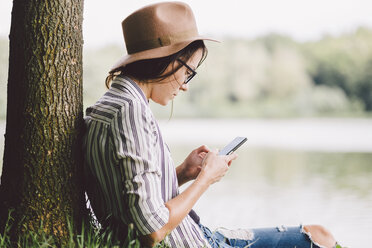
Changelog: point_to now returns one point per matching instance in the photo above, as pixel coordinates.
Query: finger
(229, 163)
(213, 152)
(231, 157)
(203, 148)
(202, 154)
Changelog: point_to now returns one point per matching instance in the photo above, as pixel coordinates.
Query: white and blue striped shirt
(129, 170)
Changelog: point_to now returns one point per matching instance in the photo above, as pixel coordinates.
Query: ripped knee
(319, 235)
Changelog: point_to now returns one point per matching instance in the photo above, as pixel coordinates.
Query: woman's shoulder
(112, 107)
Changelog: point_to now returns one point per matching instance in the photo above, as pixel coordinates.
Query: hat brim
(156, 52)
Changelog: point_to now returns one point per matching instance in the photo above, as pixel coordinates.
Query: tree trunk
(41, 177)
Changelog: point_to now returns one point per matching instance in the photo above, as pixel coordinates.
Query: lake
(289, 172)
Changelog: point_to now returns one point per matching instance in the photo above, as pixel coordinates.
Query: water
(288, 172)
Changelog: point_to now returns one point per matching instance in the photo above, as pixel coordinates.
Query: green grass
(90, 236)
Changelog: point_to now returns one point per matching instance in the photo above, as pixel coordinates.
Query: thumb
(231, 157)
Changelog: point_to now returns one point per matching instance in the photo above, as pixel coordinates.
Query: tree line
(275, 76)
(270, 76)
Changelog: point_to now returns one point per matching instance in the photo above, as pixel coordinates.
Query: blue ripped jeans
(280, 237)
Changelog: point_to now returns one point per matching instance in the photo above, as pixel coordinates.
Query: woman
(130, 175)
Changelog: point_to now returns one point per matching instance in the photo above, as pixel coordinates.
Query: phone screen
(233, 145)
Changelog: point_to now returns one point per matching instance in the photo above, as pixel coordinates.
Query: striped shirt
(129, 171)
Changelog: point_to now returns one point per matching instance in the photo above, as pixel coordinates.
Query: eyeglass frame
(190, 69)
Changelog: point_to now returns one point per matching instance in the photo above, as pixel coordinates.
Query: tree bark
(41, 177)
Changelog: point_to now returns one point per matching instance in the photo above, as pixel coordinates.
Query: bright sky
(302, 20)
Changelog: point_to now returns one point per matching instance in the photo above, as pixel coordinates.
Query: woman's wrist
(182, 204)
(203, 179)
(180, 171)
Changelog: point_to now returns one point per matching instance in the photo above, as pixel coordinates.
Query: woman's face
(165, 90)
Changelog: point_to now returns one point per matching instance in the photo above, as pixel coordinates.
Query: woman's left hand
(190, 168)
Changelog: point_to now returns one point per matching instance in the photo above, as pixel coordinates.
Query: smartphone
(233, 145)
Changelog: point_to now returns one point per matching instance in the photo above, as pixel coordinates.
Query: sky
(302, 20)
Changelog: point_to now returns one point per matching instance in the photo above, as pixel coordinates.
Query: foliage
(89, 237)
(270, 76)
(96, 64)
(345, 63)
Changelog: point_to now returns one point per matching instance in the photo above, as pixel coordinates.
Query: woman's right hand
(215, 166)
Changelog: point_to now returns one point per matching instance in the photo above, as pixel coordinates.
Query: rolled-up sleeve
(136, 144)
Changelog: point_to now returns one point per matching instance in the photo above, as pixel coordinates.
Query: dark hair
(154, 68)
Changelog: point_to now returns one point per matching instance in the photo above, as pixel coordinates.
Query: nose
(184, 87)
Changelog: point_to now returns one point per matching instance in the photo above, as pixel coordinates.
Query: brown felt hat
(158, 30)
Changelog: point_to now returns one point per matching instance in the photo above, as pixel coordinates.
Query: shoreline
(326, 134)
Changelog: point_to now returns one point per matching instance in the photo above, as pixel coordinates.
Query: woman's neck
(145, 87)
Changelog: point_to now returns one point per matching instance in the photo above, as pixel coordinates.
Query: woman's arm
(213, 169)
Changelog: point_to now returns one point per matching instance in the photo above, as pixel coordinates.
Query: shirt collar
(129, 84)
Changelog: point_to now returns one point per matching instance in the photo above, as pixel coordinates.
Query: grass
(90, 236)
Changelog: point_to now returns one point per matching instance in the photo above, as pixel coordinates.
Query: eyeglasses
(193, 72)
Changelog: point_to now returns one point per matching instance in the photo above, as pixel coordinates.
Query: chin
(162, 102)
